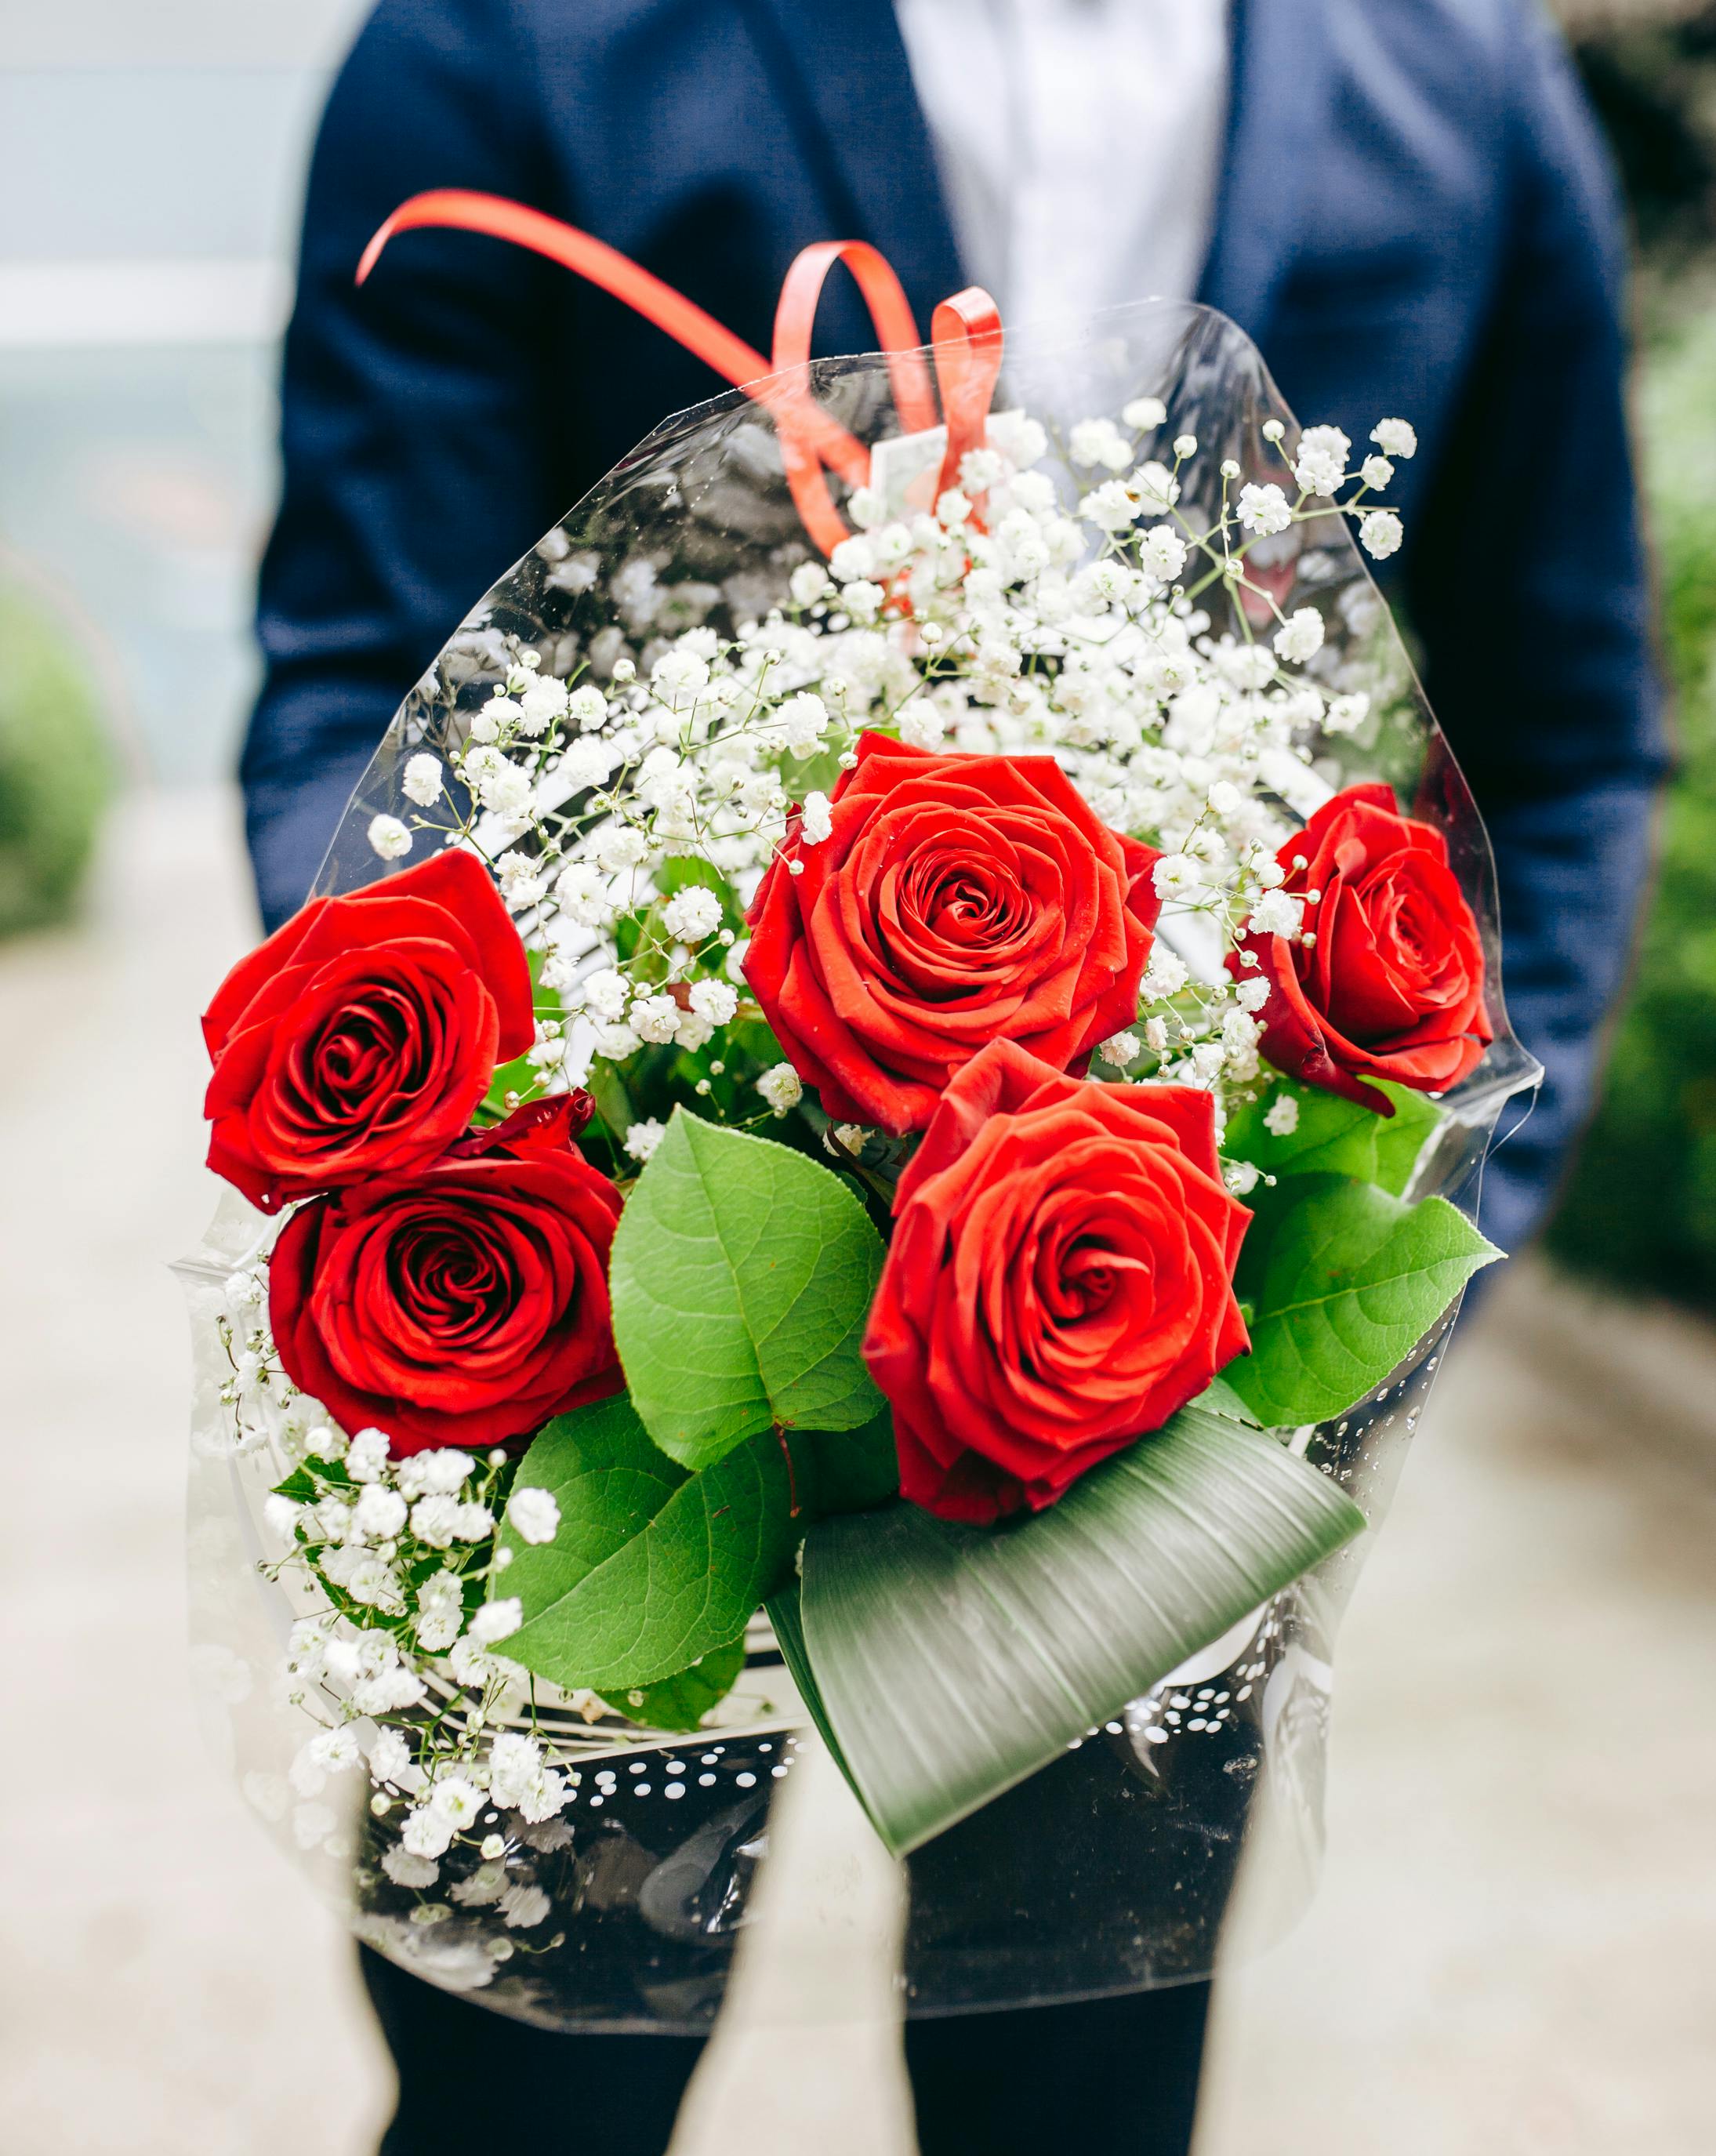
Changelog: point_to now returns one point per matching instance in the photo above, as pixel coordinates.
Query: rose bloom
(358, 1039)
(1060, 1281)
(461, 1303)
(957, 900)
(1392, 987)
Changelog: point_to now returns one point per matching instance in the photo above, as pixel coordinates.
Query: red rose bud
(463, 1304)
(1060, 1281)
(1391, 984)
(358, 1039)
(957, 900)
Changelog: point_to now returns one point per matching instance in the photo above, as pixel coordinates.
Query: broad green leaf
(1333, 1137)
(681, 1701)
(1345, 1280)
(952, 1661)
(651, 1567)
(742, 1275)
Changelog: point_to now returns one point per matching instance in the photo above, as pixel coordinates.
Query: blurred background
(1514, 1945)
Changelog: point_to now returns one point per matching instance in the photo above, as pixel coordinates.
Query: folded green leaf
(951, 1662)
(1346, 1280)
(1333, 1137)
(742, 1275)
(651, 1567)
(681, 1701)
(785, 1614)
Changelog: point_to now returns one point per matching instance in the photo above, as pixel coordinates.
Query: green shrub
(1641, 1209)
(54, 769)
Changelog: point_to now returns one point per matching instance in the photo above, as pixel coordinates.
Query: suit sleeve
(1529, 586)
(421, 441)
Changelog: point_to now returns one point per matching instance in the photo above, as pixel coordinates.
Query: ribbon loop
(966, 337)
(896, 331)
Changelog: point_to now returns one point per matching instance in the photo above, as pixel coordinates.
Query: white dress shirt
(1079, 143)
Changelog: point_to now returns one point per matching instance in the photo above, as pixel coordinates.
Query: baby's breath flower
(1099, 442)
(421, 780)
(535, 1514)
(1263, 509)
(691, 914)
(389, 838)
(1395, 438)
(782, 1087)
(1301, 637)
(641, 1140)
(1346, 714)
(1280, 1119)
(808, 582)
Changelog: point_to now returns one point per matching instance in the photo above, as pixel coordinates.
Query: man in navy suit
(1402, 201)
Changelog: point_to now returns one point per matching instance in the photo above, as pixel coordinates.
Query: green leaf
(1333, 1137)
(1219, 1398)
(681, 1701)
(651, 1567)
(785, 1612)
(520, 1075)
(1346, 1280)
(818, 774)
(607, 1088)
(848, 1471)
(952, 1662)
(742, 1275)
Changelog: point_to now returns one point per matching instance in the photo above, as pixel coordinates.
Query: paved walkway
(1513, 1951)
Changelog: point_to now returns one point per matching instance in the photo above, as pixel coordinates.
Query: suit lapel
(846, 84)
(1282, 84)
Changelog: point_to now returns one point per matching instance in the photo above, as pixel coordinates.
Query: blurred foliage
(1641, 1208)
(1654, 83)
(55, 772)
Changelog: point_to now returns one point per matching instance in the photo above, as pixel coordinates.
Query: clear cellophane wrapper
(1114, 1868)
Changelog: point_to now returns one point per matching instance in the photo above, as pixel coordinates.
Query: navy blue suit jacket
(1414, 218)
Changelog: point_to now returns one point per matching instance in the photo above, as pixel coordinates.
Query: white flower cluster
(626, 823)
(403, 1558)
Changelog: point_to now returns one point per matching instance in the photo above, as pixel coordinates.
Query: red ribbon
(966, 339)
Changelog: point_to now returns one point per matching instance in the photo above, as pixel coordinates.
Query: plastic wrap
(1113, 1868)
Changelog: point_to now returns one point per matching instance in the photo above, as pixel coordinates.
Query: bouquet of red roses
(890, 1038)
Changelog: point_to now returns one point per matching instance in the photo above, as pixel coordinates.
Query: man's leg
(1115, 2074)
(471, 2078)
(1027, 2080)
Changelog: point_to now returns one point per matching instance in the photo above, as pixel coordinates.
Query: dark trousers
(1118, 2075)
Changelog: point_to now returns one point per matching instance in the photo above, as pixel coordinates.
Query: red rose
(1392, 985)
(462, 1303)
(958, 900)
(1060, 1281)
(358, 1039)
